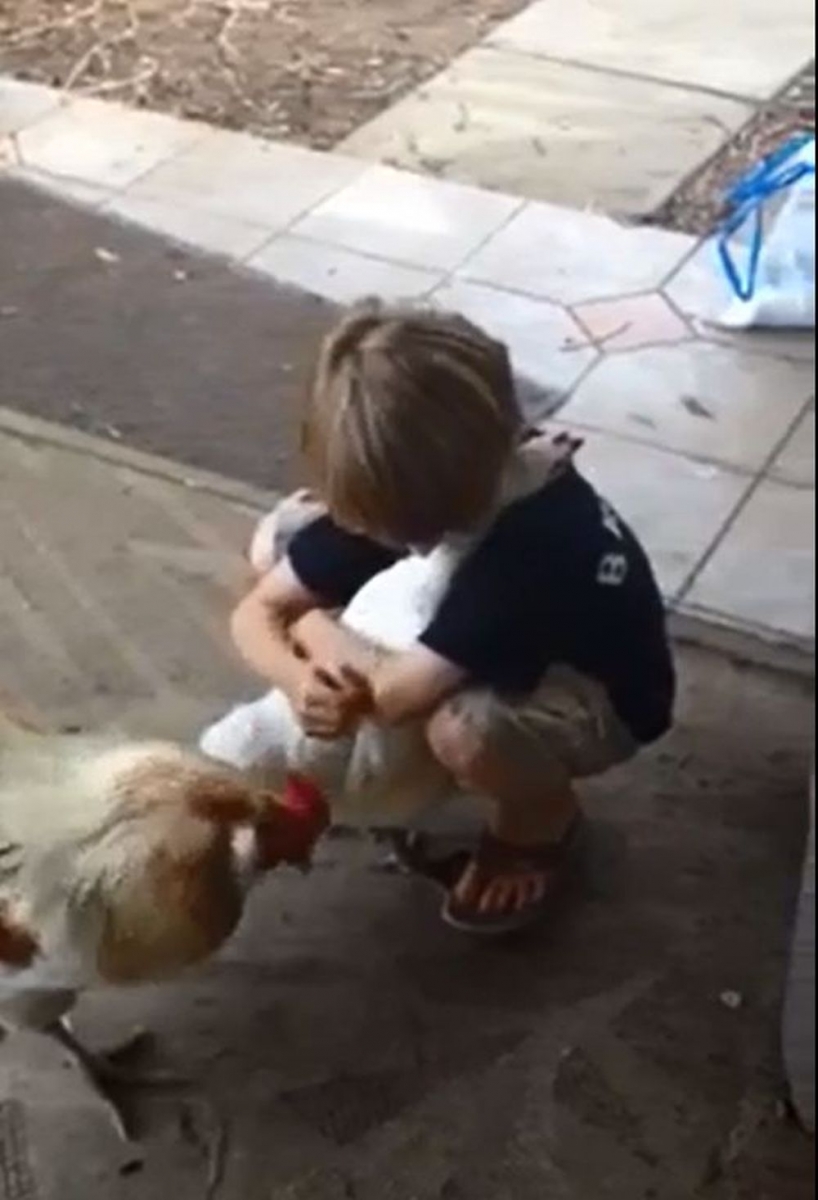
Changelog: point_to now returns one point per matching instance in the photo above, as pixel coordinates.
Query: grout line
(204, 132)
(571, 391)
(702, 460)
(760, 478)
(73, 101)
(708, 333)
(446, 272)
(784, 440)
(603, 343)
(504, 224)
(719, 538)
(36, 431)
(698, 245)
(289, 226)
(511, 290)
(677, 308)
(368, 255)
(61, 101)
(677, 85)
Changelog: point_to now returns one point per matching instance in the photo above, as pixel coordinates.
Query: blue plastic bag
(767, 244)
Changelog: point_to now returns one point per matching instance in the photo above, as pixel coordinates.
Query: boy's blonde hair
(412, 418)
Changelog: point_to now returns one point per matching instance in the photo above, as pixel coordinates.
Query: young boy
(548, 660)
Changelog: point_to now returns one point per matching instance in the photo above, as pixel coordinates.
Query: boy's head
(411, 421)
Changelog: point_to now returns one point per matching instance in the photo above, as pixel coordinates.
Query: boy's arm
(326, 701)
(261, 627)
(325, 640)
(404, 685)
(412, 684)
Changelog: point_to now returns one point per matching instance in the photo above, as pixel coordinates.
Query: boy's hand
(330, 702)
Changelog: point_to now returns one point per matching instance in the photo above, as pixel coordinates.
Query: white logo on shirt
(611, 521)
(613, 567)
(613, 570)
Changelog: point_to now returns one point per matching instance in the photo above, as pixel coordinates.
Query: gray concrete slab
(738, 47)
(552, 131)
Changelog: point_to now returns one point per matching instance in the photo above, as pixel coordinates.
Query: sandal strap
(496, 857)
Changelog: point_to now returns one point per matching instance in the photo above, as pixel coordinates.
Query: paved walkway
(346, 1044)
(609, 105)
(703, 438)
(116, 581)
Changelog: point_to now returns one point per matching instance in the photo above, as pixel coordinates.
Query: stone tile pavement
(611, 108)
(704, 438)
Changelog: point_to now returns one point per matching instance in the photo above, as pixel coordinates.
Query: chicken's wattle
(303, 815)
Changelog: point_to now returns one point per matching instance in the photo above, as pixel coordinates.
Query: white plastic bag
(772, 227)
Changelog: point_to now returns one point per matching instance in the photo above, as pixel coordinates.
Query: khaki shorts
(566, 729)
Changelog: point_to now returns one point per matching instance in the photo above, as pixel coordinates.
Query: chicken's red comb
(305, 799)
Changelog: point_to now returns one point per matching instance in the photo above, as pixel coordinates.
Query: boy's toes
(506, 888)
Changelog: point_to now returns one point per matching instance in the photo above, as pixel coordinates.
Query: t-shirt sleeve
(492, 616)
(334, 564)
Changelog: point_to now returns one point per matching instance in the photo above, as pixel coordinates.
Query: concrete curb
(34, 429)
(714, 631)
(754, 644)
(799, 1012)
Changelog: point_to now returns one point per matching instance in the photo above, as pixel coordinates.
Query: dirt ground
(306, 70)
(698, 205)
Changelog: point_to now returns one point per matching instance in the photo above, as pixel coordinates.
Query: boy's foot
(507, 888)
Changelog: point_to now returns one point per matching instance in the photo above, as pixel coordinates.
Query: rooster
(122, 863)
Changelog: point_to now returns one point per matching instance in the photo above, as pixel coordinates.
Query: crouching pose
(452, 603)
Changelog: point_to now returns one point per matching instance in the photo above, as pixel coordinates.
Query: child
(547, 660)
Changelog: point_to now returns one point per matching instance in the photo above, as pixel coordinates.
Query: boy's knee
(457, 737)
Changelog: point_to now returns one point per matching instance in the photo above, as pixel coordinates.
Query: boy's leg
(525, 757)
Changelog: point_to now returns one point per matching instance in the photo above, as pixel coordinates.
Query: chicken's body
(378, 775)
(122, 863)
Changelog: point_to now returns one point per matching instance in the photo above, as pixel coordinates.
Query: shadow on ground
(347, 1045)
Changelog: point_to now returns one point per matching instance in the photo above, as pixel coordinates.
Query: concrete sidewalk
(703, 438)
(611, 108)
(346, 1045)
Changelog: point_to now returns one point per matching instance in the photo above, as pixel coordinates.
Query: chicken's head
(286, 825)
(163, 868)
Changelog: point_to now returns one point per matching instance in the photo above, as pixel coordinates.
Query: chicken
(380, 776)
(123, 863)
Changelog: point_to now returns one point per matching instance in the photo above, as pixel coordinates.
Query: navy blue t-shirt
(559, 578)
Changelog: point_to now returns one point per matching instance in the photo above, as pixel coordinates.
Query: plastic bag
(767, 245)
